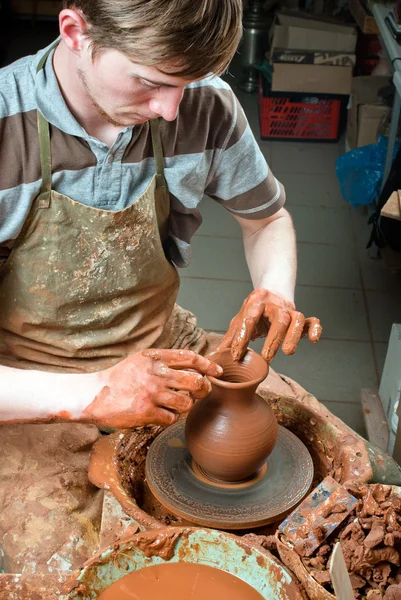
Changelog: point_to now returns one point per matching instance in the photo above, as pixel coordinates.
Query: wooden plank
(392, 207)
(375, 419)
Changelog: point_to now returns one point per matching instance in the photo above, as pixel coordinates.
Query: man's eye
(149, 85)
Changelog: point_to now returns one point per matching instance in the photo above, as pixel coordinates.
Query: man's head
(134, 57)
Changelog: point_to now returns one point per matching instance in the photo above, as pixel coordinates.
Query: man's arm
(40, 396)
(269, 311)
(271, 253)
(148, 388)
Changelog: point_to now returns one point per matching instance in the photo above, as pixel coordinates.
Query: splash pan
(179, 485)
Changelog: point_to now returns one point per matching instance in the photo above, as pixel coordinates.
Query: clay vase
(232, 432)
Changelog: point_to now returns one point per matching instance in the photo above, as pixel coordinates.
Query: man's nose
(167, 103)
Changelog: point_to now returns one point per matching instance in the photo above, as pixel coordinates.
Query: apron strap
(44, 144)
(157, 148)
(45, 158)
(44, 58)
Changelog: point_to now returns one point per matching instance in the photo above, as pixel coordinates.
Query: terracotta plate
(281, 484)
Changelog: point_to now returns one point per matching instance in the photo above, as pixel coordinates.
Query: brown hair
(197, 36)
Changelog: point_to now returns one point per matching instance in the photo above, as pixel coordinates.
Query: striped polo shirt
(210, 155)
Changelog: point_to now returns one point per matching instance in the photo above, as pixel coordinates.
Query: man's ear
(73, 29)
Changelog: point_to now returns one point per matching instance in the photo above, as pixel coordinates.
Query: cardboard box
(311, 56)
(365, 21)
(366, 111)
(369, 119)
(311, 78)
(334, 59)
(298, 33)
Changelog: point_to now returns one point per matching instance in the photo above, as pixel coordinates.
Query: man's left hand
(265, 314)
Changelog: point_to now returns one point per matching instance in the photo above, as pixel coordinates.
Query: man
(109, 140)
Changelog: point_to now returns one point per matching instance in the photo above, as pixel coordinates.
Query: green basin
(208, 547)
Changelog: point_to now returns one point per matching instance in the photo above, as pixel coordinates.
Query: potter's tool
(339, 575)
(180, 486)
(317, 516)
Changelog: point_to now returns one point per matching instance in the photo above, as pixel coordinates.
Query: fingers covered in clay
(279, 319)
(312, 329)
(262, 312)
(251, 316)
(188, 381)
(150, 388)
(176, 402)
(158, 416)
(294, 332)
(184, 359)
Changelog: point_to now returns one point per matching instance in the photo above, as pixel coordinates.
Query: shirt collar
(50, 100)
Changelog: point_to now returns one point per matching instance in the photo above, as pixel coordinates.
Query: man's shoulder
(213, 83)
(211, 92)
(17, 87)
(208, 103)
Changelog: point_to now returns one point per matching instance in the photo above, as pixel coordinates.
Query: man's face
(127, 93)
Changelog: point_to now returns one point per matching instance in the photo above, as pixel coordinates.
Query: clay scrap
(370, 538)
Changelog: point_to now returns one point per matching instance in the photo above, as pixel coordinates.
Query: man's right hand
(151, 387)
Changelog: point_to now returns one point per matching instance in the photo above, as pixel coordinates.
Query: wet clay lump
(371, 543)
(231, 433)
(180, 581)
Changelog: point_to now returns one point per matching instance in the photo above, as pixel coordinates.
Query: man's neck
(77, 99)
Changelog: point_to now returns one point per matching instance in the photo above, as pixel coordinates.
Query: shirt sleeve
(242, 181)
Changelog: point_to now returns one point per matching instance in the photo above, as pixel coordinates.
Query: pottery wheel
(177, 483)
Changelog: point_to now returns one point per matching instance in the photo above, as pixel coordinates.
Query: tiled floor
(356, 298)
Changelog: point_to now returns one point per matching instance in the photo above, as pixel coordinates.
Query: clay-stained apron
(85, 287)
(81, 289)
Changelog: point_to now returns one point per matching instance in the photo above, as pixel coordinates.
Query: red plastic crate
(365, 65)
(299, 116)
(367, 45)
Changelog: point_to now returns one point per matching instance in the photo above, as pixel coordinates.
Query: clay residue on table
(393, 592)
(33, 587)
(370, 538)
(267, 542)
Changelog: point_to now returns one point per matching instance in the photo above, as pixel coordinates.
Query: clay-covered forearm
(271, 254)
(269, 311)
(38, 397)
(147, 388)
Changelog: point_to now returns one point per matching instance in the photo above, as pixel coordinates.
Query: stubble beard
(96, 105)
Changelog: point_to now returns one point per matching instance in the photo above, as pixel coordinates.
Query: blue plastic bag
(360, 172)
